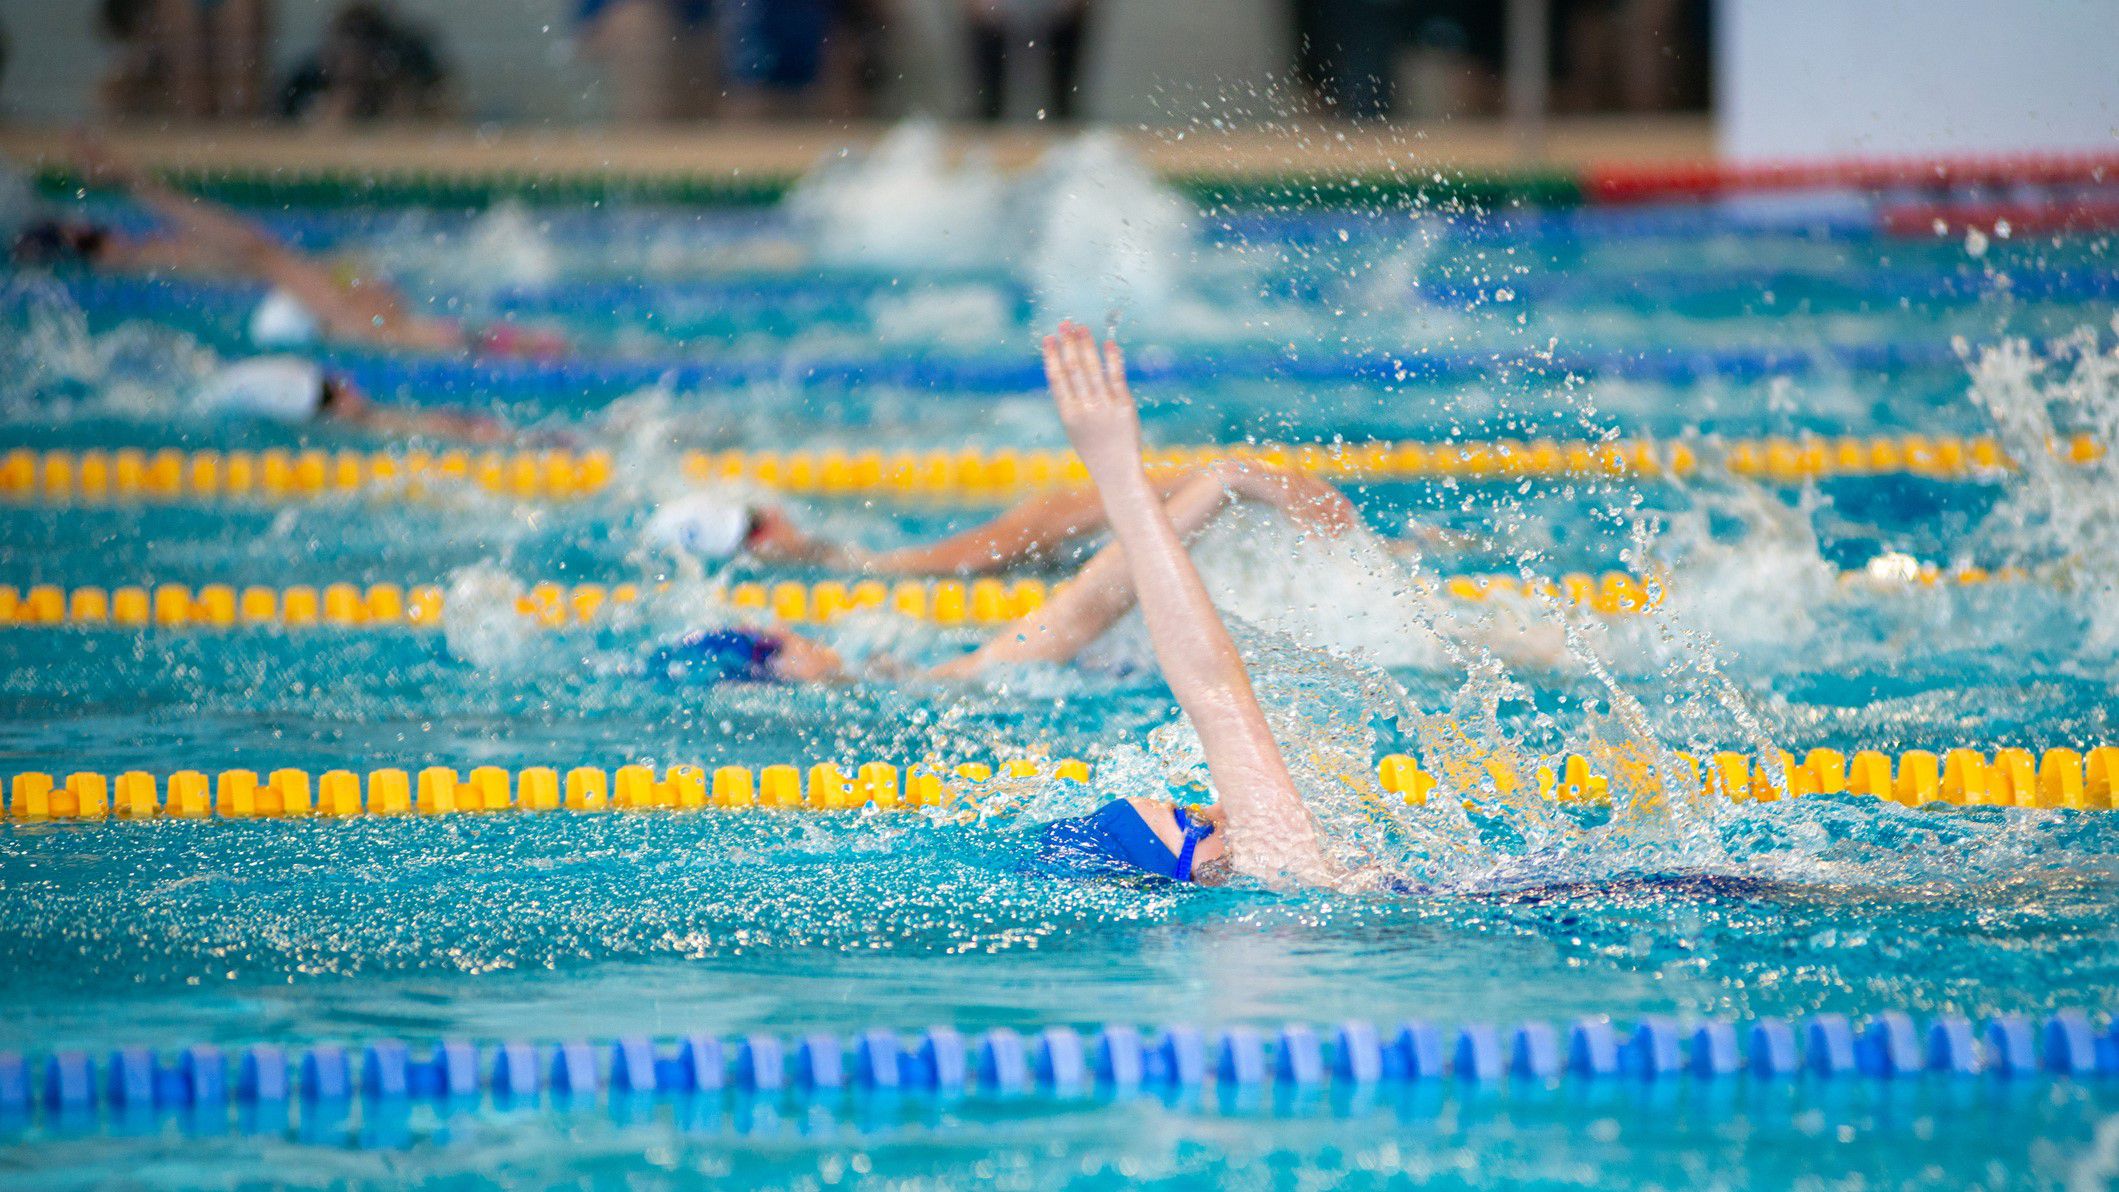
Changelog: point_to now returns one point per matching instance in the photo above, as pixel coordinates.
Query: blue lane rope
(577, 376)
(847, 296)
(326, 229)
(1060, 1061)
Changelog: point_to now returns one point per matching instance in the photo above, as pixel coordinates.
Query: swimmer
(292, 390)
(308, 299)
(1042, 530)
(1258, 827)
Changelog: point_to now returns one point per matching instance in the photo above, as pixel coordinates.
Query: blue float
(1477, 1054)
(1298, 1057)
(761, 1065)
(14, 1082)
(1118, 1058)
(1652, 1050)
(1414, 1053)
(942, 1061)
(1060, 1062)
(1829, 1045)
(1953, 1048)
(1534, 1051)
(1889, 1046)
(1002, 1062)
(2011, 1049)
(878, 1060)
(130, 1075)
(1592, 1048)
(1771, 1048)
(386, 1070)
(1178, 1057)
(634, 1066)
(515, 1071)
(701, 1067)
(1714, 1052)
(2070, 1047)
(261, 1075)
(204, 1072)
(574, 1070)
(1357, 1054)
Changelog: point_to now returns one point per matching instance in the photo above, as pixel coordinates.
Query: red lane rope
(1618, 183)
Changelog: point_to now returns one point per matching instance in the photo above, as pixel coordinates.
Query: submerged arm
(1271, 834)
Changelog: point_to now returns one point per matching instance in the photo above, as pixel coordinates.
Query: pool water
(563, 926)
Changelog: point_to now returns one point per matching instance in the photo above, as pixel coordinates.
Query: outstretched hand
(1096, 407)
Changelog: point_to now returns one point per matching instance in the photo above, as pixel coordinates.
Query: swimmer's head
(60, 242)
(709, 657)
(285, 389)
(281, 321)
(702, 524)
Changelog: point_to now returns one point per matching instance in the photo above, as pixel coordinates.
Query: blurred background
(1767, 77)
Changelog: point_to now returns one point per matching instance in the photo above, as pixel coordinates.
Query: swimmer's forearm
(1271, 831)
(1306, 500)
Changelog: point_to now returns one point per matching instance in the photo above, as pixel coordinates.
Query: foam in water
(1089, 232)
(2058, 518)
(1105, 238)
(903, 205)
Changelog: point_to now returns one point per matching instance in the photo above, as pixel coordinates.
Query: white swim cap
(702, 524)
(277, 388)
(282, 321)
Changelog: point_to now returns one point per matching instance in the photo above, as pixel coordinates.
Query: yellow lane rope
(2057, 778)
(169, 474)
(946, 602)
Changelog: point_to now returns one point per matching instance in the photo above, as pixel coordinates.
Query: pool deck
(784, 151)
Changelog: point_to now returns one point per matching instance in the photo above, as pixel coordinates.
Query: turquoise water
(567, 926)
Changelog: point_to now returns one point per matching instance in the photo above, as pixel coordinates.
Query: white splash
(903, 205)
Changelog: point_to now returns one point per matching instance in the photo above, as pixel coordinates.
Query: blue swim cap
(711, 656)
(1112, 839)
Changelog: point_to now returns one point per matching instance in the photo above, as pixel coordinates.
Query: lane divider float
(824, 1068)
(946, 602)
(2060, 778)
(985, 601)
(169, 474)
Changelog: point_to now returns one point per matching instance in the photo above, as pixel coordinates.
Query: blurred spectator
(657, 55)
(1347, 50)
(999, 26)
(1630, 55)
(189, 58)
(372, 66)
(853, 58)
(1435, 58)
(773, 52)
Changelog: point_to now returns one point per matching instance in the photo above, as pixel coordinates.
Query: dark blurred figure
(773, 52)
(1630, 55)
(1347, 51)
(787, 58)
(1000, 27)
(657, 56)
(372, 66)
(186, 58)
(1370, 59)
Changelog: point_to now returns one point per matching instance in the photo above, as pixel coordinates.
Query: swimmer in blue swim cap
(1258, 827)
(307, 299)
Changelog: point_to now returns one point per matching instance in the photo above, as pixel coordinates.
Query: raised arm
(1271, 834)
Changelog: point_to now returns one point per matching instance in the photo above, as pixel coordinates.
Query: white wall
(514, 59)
(1811, 78)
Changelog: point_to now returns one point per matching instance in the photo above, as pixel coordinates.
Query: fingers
(1115, 368)
(1056, 373)
(1082, 369)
